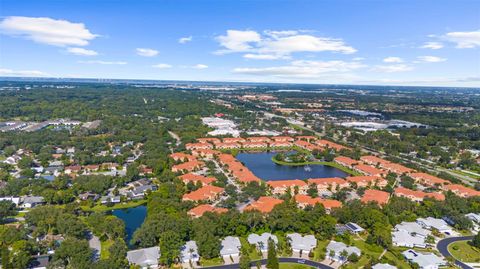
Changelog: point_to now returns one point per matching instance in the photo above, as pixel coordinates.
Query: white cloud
(302, 69)
(22, 73)
(199, 66)
(237, 41)
(392, 59)
(145, 52)
(82, 51)
(103, 62)
(393, 68)
(162, 66)
(432, 45)
(264, 56)
(464, 40)
(184, 40)
(47, 30)
(278, 44)
(431, 59)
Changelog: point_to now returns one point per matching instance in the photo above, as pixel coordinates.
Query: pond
(132, 217)
(262, 166)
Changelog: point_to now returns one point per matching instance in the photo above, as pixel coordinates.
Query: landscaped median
(463, 251)
(331, 164)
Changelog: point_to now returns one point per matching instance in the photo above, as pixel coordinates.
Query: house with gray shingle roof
(337, 248)
(261, 241)
(424, 260)
(302, 244)
(144, 257)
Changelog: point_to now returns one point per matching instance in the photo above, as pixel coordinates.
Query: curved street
(281, 260)
(442, 246)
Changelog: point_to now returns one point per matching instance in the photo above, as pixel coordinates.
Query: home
(32, 201)
(187, 166)
(110, 199)
(261, 241)
(39, 262)
(379, 197)
(144, 257)
(331, 145)
(208, 140)
(294, 186)
(424, 260)
(427, 180)
(189, 253)
(396, 168)
(336, 250)
(88, 195)
(198, 211)
(72, 169)
(345, 161)
(328, 184)
(183, 157)
(228, 146)
(373, 160)
(282, 139)
(254, 145)
(461, 190)
(205, 193)
(383, 266)
(305, 200)
(354, 228)
(437, 224)
(369, 170)
(475, 218)
(302, 245)
(417, 196)
(233, 140)
(409, 234)
(191, 177)
(192, 146)
(259, 139)
(280, 144)
(14, 200)
(367, 181)
(230, 247)
(264, 204)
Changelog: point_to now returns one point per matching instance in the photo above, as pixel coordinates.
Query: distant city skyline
(425, 43)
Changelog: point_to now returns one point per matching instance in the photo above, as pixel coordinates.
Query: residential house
(280, 187)
(410, 234)
(383, 266)
(345, 161)
(367, 181)
(110, 199)
(379, 197)
(427, 179)
(461, 190)
(205, 193)
(31, 201)
(354, 228)
(261, 241)
(198, 211)
(264, 204)
(189, 253)
(191, 177)
(192, 146)
(424, 260)
(417, 196)
(331, 184)
(230, 247)
(336, 249)
(437, 224)
(144, 257)
(187, 166)
(369, 170)
(305, 200)
(302, 245)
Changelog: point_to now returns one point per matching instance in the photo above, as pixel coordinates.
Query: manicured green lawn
(105, 253)
(101, 208)
(319, 251)
(464, 252)
(211, 262)
(294, 266)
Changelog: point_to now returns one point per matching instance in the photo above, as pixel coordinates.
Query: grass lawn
(463, 173)
(253, 253)
(294, 266)
(211, 262)
(319, 252)
(105, 253)
(462, 251)
(101, 208)
(373, 252)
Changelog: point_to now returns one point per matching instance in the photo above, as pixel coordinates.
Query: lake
(133, 218)
(262, 166)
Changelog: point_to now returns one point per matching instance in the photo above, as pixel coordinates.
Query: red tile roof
(417, 195)
(327, 181)
(428, 179)
(461, 190)
(208, 140)
(264, 204)
(180, 156)
(369, 170)
(207, 192)
(187, 166)
(305, 200)
(377, 196)
(374, 160)
(290, 183)
(190, 177)
(345, 161)
(198, 211)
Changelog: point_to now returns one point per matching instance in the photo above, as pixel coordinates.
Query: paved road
(281, 260)
(442, 246)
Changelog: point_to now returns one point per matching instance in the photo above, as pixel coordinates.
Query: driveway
(281, 260)
(442, 246)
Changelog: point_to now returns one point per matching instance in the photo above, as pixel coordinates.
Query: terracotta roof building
(205, 193)
(380, 197)
(461, 190)
(187, 166)
(345, 161)
(367, 181)
(369, 170)
(417, 196)
(427, 179)
(279, 187)
(198, 211)
(264, 204)
(328, 183)
(191, 177)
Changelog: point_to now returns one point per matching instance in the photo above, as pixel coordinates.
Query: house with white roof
(354, 228)
(230, 247)
(144, 257)
(302, 244)
(383, 266)
(337, 248)
(261, 241)
(424, 260)
(433, 223)
(31, 201)
(475, 218)
(410, 234)
(15, 200)
(189, 253)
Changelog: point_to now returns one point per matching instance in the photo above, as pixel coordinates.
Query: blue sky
(359, 42)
